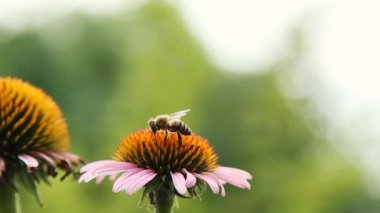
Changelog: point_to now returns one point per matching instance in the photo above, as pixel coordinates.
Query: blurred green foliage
(110, 74)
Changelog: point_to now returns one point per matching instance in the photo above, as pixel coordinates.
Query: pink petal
(240, 183)
(113, 177)
(66, 156)
(212, 183)
(71, 157)
(223, 191)
(2, 166)
(103, 168)
(217, 180)
(99, 179)
(233, 176)
(29, 161)
(179, 182)
(44, 157)
(139, 180)
(94, 166)
(120, 183)
(234, 171)
(88, 176)
(190, 179)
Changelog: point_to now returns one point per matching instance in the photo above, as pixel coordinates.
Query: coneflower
(165, 168)
(33, 139)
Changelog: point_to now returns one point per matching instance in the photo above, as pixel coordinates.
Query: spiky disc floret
(29, 119)
(162, 153)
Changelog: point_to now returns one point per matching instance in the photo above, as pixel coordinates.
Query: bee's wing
(179, 114)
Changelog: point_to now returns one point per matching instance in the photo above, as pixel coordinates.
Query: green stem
(9, 200)
(164, 201)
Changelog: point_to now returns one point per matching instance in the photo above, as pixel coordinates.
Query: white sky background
(344, 42)
(245, 35)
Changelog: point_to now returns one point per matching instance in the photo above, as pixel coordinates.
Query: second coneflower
(33, 139)
(165, 168)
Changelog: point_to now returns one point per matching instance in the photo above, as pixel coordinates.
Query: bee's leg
(179, 138)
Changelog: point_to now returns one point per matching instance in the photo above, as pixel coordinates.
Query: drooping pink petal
(139, 180)
(234, 171)
(179, 182)
(223, 191)
(190, 179)
(120, 183)
(95, 165)
(103, 168)
(217, 180)
(212, 183)
(231, 174)
(98, 165)
(99, 179)
(88, 176)
(241, 183)
(113, 177)
(71, 157)
(66, 156)
(2, 166)
(44, 157)
(109, 170)
(29, 161)
(235, 180)
(234, 177)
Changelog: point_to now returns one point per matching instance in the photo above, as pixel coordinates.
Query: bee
(171, 123)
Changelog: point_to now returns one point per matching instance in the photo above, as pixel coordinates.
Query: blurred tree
(77, 63)
(253, 125)
(167, 69)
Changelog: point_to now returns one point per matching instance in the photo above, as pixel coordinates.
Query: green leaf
(27, 180)
(145, 193)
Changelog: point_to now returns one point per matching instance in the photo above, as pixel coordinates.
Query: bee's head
(152, 125)
(162, 122)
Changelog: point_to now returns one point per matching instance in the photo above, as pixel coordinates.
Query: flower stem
(9, 200)
(164, 201)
